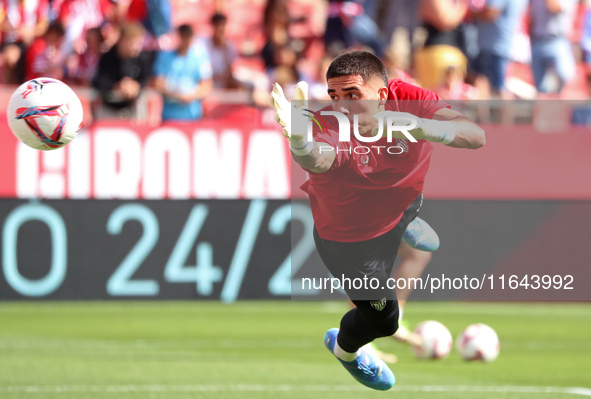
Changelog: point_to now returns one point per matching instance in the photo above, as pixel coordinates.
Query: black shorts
(364, 267)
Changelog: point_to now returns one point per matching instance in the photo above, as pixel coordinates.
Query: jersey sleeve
(415, 100)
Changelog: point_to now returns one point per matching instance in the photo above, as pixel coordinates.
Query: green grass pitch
(205, 350)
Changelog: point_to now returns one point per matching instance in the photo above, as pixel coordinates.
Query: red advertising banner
(517, 163)
(176, 161)
(237, 159)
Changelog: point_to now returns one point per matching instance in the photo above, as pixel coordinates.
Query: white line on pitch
(295, 388)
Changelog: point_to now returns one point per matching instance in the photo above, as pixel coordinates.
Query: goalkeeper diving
(363, 201)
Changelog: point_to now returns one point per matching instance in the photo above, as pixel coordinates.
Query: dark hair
(358, 63)
(57, 28)
(218, 19)
(185, 30)
(98, 32)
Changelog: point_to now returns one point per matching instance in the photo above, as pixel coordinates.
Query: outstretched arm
(447, 127)
(467, 134)
(305, 151)
(318, 160)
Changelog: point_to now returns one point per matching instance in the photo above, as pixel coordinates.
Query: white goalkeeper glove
(292, 118)
(419, 128)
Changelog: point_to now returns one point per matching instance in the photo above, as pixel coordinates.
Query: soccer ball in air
(44, 113)
(436, 340)
(478, 342)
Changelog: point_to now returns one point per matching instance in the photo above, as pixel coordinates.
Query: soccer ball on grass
(478, 342)
(436, 340)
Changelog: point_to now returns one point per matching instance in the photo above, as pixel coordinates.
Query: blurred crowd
(461, 49)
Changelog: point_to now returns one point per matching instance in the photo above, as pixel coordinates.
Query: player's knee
(389, 328)
(419, 257)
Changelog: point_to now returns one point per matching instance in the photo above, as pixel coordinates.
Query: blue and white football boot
(419, 235)
(367, 368)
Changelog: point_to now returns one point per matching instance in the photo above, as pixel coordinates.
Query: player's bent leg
(420, 235)
(376, 313)
(404, 334)
(412, 264)
(366, 368)
(372, 348)
(410, 268)
(365, 323)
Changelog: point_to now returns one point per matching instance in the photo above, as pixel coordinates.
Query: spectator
(286, 73)
(158, 20)
(551, 23)
(77, 16)
(317, 87)
(496, 23)
(129, 11)
(399, 14)
(443, 48)
(276, 25)
(183, 76)
(23, 21)
(154, 15)
(454, 87)
(347, 24)
(393, 64)
(20, 24)
(82, 68)
(44, 57)
(10, 55)
(222, 54)
(122, 73)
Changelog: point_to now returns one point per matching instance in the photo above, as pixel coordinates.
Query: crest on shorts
(378, 305)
